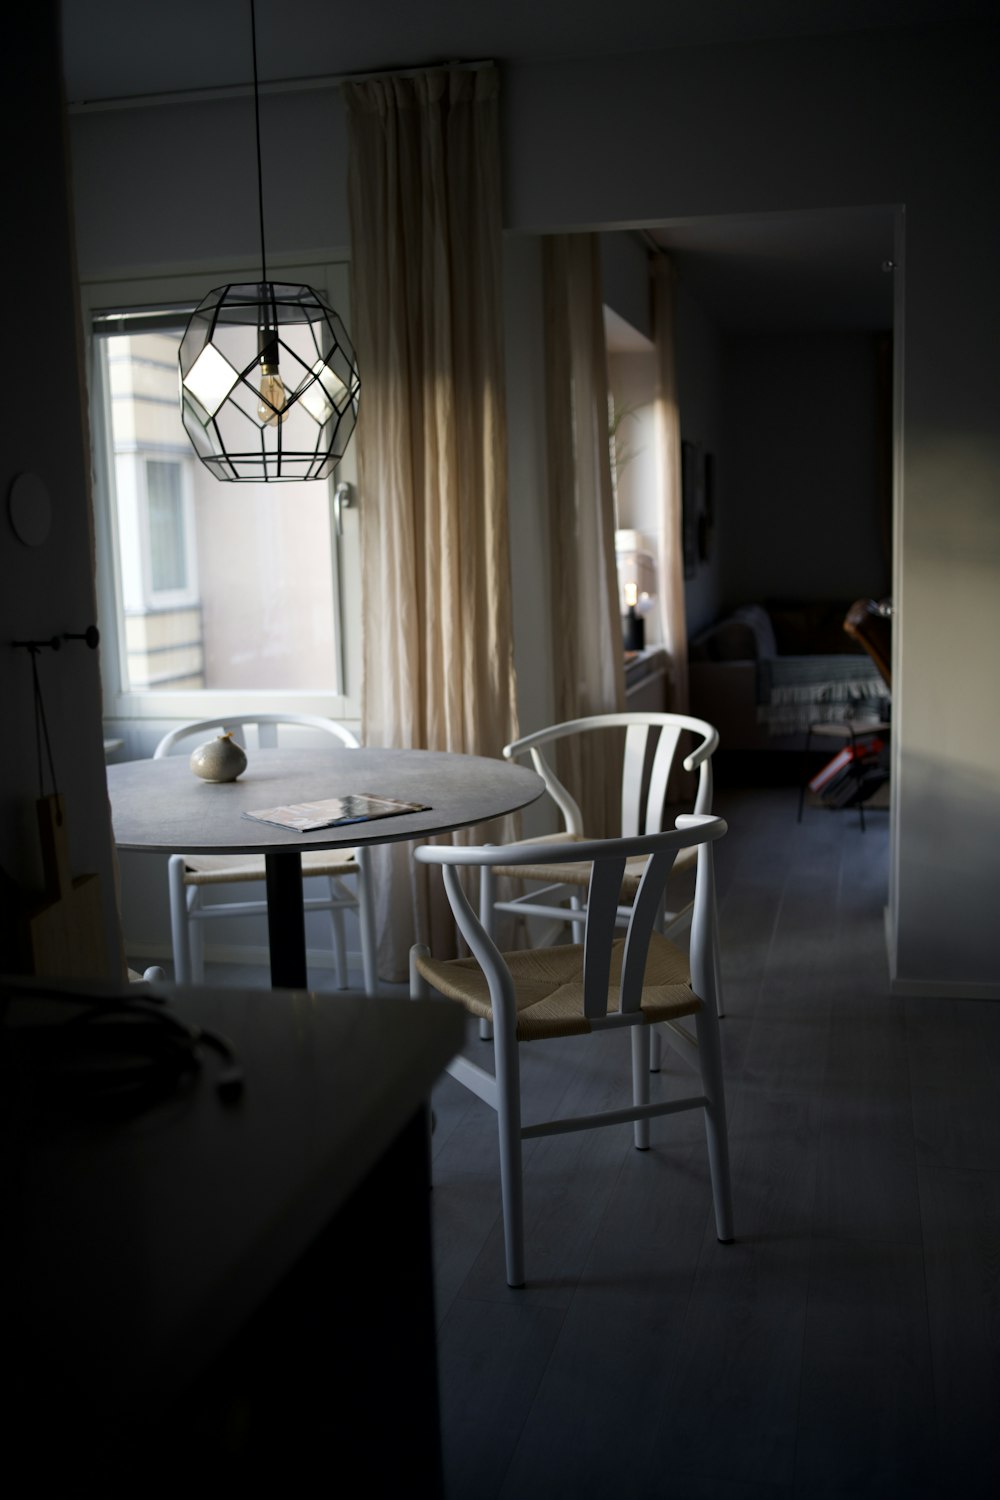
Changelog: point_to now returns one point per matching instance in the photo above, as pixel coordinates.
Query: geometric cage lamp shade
(269, 383)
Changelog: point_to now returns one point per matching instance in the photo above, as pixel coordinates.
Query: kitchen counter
(218, 1264)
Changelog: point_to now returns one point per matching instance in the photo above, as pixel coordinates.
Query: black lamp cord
(42, 730)
(92, 638)
(141, 1052)
(260, 173)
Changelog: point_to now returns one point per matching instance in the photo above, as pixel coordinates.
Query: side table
(850, 730)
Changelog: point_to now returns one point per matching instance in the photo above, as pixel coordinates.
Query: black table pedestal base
(286, 922)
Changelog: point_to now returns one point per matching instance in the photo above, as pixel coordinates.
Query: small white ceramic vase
(219, 760)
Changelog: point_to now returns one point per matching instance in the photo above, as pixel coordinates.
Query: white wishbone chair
(192, 876)
(651, 744)
(608, 981)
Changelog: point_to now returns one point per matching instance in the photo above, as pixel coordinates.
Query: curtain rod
(245, 90)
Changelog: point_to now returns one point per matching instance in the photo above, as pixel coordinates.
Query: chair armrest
(691, 830)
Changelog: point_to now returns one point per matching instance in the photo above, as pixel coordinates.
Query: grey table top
(161, 805)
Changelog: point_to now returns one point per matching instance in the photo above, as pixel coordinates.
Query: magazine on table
(332, 812)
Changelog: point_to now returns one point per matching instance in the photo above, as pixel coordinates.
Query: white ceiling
(776, 270)
(829, 269)
(122, 48)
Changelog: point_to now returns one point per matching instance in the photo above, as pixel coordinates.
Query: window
(209, 592)
(167, 537)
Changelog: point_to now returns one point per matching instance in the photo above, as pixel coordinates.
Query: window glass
(223, 587)
(168, 569)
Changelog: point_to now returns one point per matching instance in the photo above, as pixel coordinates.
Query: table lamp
(636, 585)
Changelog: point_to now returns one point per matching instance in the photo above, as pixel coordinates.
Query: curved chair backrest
(643, 797)
(601, 930)
(266, 725)
(870, 624)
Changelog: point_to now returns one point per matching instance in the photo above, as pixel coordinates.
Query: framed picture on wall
(691, 487)
(706, 514)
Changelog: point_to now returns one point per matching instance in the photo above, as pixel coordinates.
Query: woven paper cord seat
(224, 869)
(548, 986)
(605, 984)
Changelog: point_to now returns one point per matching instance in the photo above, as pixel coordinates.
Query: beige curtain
(424, 197)
(668, 467)
(586, 625)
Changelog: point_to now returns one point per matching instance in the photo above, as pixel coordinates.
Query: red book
(862, 750)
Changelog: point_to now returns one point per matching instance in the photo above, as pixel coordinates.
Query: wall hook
(52, 644)
(91, 636)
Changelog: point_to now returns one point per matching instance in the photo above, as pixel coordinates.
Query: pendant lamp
(269, 378)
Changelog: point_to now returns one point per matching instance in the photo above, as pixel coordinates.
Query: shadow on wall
(949, 875)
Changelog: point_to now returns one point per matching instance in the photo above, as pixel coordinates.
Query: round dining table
(161, 806)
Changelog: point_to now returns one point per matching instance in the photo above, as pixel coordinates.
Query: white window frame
(342, 702)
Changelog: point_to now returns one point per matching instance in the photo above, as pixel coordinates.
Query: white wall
(528, 512)
(802, 509)
(700, 376)
(625, 280)
(175, 185)
(47, 588)
(903, 117)
(632, 378)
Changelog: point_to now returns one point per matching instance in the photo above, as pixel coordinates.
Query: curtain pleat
(586, 627)
(438, 673)
(668, 470)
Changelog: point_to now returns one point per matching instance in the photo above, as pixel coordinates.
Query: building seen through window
(221, 587)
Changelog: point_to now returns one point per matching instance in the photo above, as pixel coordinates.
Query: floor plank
(733, 1399)
(954, 1052)
(865, 1423)
(492, 1358)
(961, 1212)
(848, 1343)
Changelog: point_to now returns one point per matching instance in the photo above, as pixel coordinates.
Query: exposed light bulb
(272, 389)
(272, 395)
(631, 595)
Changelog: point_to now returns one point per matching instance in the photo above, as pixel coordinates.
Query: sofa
(767, 670)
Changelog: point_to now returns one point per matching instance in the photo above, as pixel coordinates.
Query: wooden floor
(848, 1344)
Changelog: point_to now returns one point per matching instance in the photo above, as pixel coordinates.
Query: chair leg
(716, 1134)
(336, 895)
(179, 927)
(366, 921)
(655, 1049)
(487, 896)
(579, 925)
(509, 1129)
(804, 775)
(196, 935)
(339, 942)
(640, 1082)
(419, 990)
(720, 1010)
